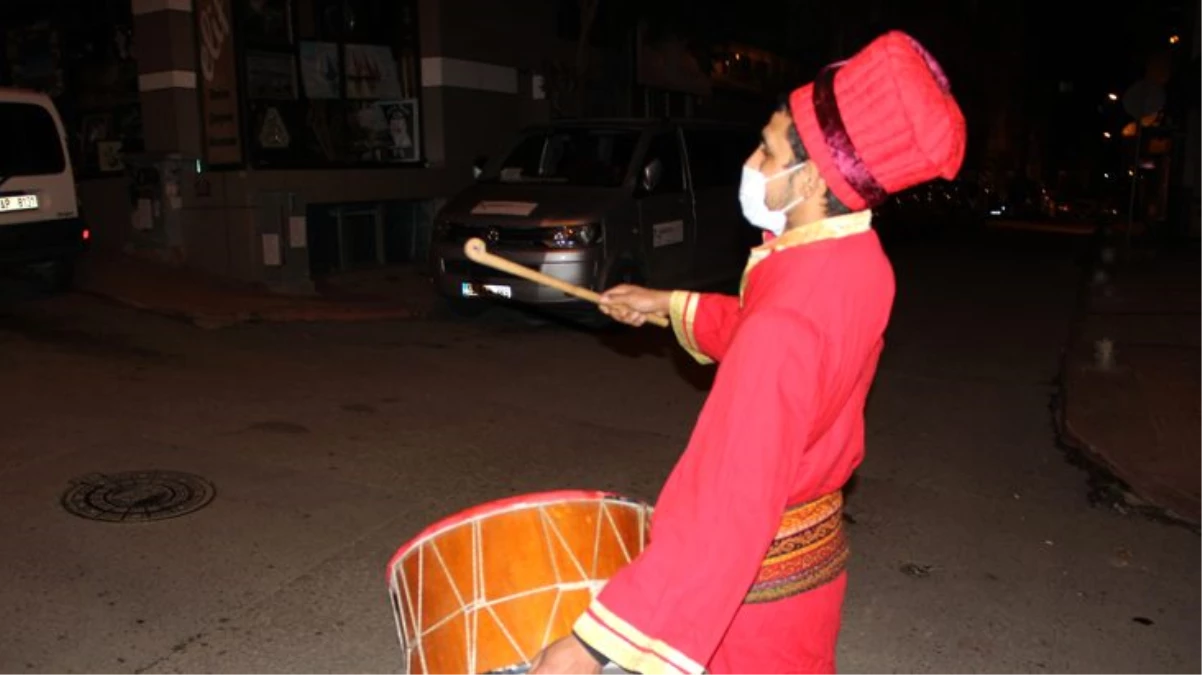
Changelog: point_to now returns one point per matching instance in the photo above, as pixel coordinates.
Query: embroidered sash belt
(809, 550)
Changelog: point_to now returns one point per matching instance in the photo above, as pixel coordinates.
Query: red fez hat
(880, 122)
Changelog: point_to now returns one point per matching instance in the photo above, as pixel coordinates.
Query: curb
(1106, 486)
(295, 314)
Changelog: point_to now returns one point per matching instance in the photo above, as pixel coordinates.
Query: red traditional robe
(783, 425)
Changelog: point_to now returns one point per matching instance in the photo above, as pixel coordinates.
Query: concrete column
(165, 43)
(165, 50)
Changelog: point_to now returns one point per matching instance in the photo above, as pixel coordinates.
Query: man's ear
(810, 183)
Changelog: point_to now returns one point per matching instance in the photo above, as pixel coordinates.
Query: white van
(39, 214)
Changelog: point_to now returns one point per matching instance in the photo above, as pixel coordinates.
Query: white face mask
(753, 191)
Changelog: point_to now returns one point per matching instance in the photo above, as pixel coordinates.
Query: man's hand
(565, 655)
(631, 304)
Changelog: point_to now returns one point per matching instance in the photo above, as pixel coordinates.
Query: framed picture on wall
(271, 75)
(404, 133)
(321, 70)
(384, 132)
(371, 72)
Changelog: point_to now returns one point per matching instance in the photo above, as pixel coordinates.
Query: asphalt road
(975, 548)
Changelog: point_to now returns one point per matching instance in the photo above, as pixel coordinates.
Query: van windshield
(576, 157)
(31, 142)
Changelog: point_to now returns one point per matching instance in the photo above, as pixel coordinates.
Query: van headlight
(573, 236)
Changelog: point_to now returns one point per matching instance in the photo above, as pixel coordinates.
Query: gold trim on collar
(827, 228)
(821, 230)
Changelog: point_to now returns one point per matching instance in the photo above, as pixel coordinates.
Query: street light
(1174, 39)
(1106, 135)
(1112, 96)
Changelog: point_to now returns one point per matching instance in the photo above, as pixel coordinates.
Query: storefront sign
(218, 83)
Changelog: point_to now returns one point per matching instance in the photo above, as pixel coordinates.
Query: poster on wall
(386, 131)
(270, 75)
(218, 85)
(109, 156)
(273, 132)
(321, 72)
(371, 73)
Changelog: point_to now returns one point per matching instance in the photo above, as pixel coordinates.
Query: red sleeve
(721, 507)
(704, 323)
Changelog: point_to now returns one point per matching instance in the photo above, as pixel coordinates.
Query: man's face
(774, 155)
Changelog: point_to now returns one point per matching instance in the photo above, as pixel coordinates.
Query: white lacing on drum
(547, 525)
(617, 535)
(417, 616)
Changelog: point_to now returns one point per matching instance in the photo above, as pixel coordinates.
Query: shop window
(84, 61)
(330, 82)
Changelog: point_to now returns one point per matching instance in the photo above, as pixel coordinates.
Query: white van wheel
(57, 276)
(63, 275)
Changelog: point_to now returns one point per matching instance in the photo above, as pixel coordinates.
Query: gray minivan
(600, 202)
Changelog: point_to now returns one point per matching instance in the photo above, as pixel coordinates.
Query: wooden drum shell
(486, 589)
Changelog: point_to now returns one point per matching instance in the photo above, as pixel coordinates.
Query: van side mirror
(651, 175)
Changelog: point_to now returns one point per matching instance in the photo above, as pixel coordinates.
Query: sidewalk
(1137, 413)
(213, 303)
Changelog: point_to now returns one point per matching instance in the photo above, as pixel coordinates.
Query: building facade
(273, 141)
(303, 137)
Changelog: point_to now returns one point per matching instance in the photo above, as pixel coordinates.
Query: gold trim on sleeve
(682, 308)
(629, 647)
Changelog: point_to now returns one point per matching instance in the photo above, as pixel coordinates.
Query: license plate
(18, 203)
(471, 290)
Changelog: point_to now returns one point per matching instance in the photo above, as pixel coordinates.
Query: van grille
(513, 237)
(471, 270)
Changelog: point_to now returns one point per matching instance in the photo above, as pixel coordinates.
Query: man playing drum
(745, 569)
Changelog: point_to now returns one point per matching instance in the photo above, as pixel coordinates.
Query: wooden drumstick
(476, 251)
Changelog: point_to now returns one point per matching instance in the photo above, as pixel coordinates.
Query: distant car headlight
(573, 236)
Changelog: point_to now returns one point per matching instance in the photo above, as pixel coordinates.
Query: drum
(486, 589)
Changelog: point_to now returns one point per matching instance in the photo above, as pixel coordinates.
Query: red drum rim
(530, 499)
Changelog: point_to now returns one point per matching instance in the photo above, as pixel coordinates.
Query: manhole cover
(137, 496)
